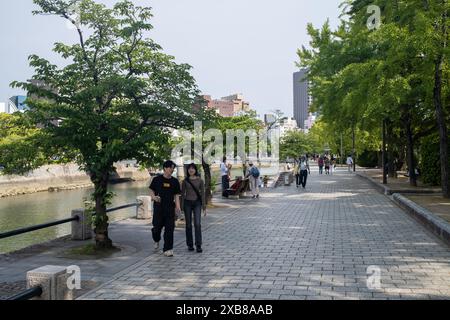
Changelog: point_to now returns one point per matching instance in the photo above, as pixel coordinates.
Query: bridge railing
(28, 294)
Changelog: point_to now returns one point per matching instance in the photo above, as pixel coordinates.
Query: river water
(32, 209)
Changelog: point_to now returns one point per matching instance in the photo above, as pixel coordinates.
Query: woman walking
(321, 163)
(193, 195)
(327, 165)
(297, 173)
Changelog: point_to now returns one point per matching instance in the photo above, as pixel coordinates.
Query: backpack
(254, 172)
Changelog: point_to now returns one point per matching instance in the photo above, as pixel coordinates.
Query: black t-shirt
(166, 189)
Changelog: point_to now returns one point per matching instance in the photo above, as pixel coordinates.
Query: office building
(229, 106)
(302, 97)
(16, 103)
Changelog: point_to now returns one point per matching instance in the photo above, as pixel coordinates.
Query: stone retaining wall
(59, 177)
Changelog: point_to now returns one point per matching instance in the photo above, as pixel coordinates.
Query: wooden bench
(239, 188)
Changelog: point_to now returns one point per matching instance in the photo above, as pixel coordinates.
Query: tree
(437, 20)
(115, 99)
(278, 119)
(17, 139)
(363, 77)
(294, 144)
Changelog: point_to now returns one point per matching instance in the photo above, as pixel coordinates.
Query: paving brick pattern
(299, 244)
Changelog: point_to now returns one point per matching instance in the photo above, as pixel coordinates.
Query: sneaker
(199, 249)
(254, 197)
(191, 248)
(168, 253)
(156, 246)
(257, 196)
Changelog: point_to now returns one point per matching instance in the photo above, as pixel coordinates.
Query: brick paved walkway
(296, 244)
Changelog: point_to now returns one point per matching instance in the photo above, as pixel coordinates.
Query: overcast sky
(234, 46)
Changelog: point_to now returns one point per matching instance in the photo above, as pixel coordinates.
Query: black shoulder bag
(195, 190)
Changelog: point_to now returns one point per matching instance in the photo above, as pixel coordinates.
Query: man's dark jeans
(225, 186)
(164, 218)
(193, 207)
(303, 177)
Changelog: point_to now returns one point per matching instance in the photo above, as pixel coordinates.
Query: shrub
(368, 159)
(429, 163)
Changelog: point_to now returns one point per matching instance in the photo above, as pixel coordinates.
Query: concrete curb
(381, 188)
(437, 225)
(388, 191)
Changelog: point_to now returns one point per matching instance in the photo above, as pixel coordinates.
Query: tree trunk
(406, 117)
(440, 117)
(390, 151)
(354, 149)
(207, 170)
(102, 240)
(383, 154)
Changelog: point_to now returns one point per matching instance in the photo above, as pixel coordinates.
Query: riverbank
(60, 177)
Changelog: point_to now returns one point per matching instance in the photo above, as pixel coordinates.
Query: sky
(234, 46)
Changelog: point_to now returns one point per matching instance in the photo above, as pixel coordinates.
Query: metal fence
(37, 291)
(16, 232)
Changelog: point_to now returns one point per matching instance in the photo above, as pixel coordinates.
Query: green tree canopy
(117, 97)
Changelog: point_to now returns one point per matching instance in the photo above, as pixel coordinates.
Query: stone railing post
(82, 228)
(144, 210)
(53, 281)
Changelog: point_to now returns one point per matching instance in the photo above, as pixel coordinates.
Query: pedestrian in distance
(254, 175)
(327, 165)
(297, 172)
(266, 181)
(165, 193)
(321, 164)
(332, 165)
(304, 171)
(350, 163)
(194, 201)
(225, 174)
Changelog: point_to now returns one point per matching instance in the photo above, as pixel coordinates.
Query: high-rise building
(3, 107)
(310, 121)
(17, 103)
(302, 98)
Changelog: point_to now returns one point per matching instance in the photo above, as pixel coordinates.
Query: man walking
(349, 163)
(165, 192)
(253, 175)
